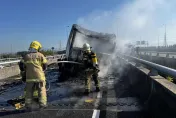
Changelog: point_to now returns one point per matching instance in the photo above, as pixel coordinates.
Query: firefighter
(91, 68)
(35, 65)
(23, 75)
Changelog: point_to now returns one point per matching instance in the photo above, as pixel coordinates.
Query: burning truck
(103, 44)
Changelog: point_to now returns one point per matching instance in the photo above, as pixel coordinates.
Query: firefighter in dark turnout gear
(91, 68)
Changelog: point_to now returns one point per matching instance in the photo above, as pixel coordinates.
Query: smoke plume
(134, 21)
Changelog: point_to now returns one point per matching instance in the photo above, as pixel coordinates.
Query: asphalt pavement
(66, 100)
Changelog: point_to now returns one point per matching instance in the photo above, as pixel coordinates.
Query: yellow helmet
(36, 45)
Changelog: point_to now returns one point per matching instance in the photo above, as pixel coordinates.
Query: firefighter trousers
(40, 87)
(89, 75)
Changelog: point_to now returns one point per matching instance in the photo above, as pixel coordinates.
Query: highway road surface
(66, 100)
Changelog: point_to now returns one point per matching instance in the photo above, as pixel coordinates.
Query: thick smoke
(80, 40)
(99, 46)
(137, 20)
(134, 21)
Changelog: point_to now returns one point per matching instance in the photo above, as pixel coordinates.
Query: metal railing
(8, 59)
(158, 53)
(9, 62)
(18, 60)
(163, 69)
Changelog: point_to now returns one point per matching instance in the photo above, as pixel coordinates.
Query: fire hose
(20, 100)
(72, 62)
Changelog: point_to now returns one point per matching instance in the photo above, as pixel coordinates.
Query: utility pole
(158, 41)
(53, 50)
(10, 55)
(140, 41)
(11, 48)
(165, 37)
(146, 43)
(60, 45)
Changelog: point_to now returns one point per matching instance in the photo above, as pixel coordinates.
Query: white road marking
(111, 99)
(96, 113)
(110, 82)
(99, 95)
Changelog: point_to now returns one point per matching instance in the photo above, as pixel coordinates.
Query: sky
(22, 21)
(50, 21)
(136, 20)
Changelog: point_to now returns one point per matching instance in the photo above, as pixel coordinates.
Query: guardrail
(157, 53)
(163, 69)
(48, 58)
(9, 62)
(8, 59)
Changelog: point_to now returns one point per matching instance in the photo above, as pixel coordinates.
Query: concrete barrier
(14, 70)
(157, 95)
(9, 72)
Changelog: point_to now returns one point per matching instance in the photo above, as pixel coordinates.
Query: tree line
(22, 53)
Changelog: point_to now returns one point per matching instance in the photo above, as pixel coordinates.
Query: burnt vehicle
(103, 44)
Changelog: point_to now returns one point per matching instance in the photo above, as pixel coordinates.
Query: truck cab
(102, 44)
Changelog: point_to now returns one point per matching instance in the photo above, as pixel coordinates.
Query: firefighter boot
(96, 81)
(43, 107)
(42, 95)
(86, 92)
(97, 89)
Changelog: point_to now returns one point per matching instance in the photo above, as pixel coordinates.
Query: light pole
(11, 48)
(60, 45)
(53, 50)
(158, 41)
(165, 36)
